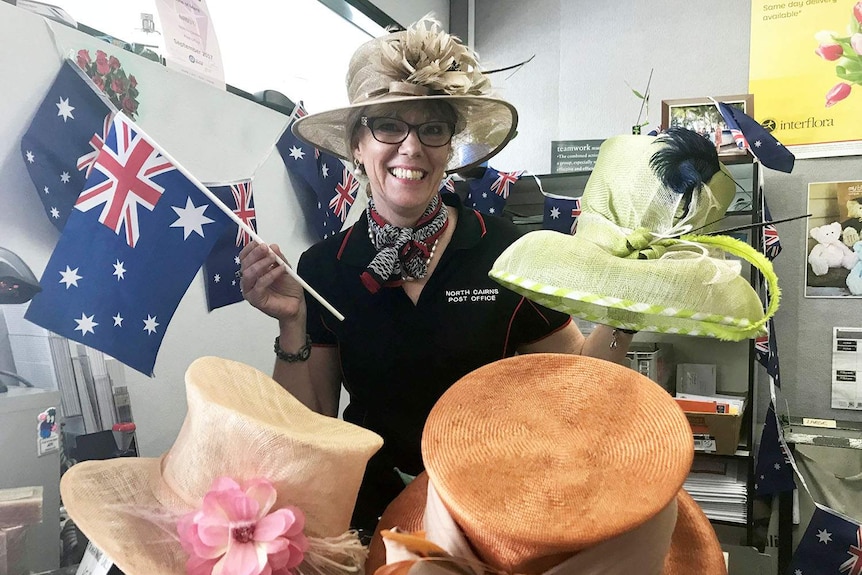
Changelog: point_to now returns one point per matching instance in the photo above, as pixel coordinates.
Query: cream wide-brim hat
(420, 64)
(546, 455)
(635, 262)
(240, 424)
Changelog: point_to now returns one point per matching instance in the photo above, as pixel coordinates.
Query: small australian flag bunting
(489, 193)
(761, 143)
(136, 237)
(63, 139)
(771, 242)
(561, 213)
(773, 472)
(766, 352)
(323, 176)
(831, 545)
(222, 264)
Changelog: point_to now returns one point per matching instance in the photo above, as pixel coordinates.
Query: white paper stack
(719, 487)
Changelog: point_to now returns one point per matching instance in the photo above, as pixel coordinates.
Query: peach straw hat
(255, 483)
(422, 63)
(550, 464)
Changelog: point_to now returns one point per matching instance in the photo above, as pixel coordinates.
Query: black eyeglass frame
(368, 122)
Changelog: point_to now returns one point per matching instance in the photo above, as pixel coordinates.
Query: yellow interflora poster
(806, 73)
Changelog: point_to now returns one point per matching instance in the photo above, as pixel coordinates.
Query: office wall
(576, 88)
(216, 135)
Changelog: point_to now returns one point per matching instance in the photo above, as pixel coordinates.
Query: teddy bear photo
(853, 224)
(830, 251)
(854, 278)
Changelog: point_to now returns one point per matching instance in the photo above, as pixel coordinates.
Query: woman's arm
(571, 340)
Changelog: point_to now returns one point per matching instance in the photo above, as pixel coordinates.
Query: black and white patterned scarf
(402, 253)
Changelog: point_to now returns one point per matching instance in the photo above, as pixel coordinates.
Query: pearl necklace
(427, 262)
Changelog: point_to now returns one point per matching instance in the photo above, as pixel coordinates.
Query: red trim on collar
(481, 222)
(344, 243)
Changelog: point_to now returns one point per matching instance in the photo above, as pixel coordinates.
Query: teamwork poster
(834, 252)
(805, 72)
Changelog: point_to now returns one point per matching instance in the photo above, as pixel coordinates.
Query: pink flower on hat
(235, 533)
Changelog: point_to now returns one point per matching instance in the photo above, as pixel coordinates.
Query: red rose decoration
(108, 75)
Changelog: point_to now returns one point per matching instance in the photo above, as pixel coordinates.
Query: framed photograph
(833, 266)
(701, 115)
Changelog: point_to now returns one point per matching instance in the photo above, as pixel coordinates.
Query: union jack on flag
(86, 162)
(766, 352)
(448, 185)
(345, 193)
(576, 212)
(129, 164)
(771, 242)
(503, 181)
(244, 210)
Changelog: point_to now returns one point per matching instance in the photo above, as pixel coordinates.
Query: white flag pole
(236, 219)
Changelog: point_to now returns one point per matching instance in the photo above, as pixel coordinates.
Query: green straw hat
(635, 261)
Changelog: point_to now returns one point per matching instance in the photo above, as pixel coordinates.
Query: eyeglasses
(394, 131)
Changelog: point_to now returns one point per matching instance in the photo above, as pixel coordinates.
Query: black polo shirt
(397, 358)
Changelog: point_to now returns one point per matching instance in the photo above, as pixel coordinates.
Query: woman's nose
(411, 144)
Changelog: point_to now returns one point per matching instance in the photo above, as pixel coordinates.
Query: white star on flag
(191, 218)
(65, 177)
(70, 277)
(236, 260)
(555, 212)
(55, 213)
(824, 536)
(47, 191)
(119, 270)
(64, 109)
(30, 157)
(325, 171)
(296, 153)
(217, 278)
(118, 320)
(150, 324)
(85, 324)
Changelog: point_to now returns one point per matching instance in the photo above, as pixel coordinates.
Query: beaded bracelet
(302, 355)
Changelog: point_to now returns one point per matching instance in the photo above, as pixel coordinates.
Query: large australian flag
(60, 145)
(135, 238)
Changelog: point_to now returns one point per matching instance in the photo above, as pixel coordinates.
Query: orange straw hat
(550, 462)
(246, 446)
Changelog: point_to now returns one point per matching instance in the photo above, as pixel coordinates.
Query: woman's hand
(266, 284)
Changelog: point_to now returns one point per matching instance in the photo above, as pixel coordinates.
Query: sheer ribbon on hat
(444, 549)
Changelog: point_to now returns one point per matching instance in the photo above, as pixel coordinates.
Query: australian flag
(561, 213)
(222, 264)
(766, 352)
(489, 193)
(323, 177)
(773, 473)
(761, 143)
(64, 137)
(832, 544)
(137, 235)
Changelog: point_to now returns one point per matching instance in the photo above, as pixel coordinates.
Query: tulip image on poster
(846, 52)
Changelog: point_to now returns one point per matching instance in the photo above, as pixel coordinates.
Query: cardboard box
(654, 360)
(716, 432)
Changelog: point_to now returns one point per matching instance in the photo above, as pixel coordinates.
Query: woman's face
(403, 177)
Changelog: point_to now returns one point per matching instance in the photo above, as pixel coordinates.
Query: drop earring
(358, 169)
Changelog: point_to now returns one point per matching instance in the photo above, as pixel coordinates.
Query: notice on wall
(847, 368)
(805, 71)
(191, 45)
(569, 156)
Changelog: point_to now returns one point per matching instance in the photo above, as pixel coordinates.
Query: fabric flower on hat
(234, 532)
